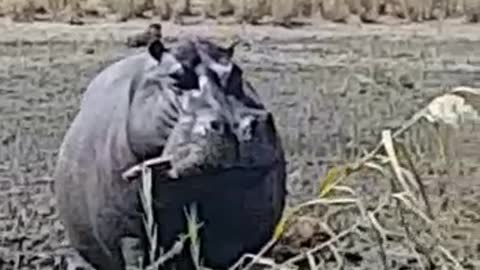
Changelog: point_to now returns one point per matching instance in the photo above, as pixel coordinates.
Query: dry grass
(250, 11)
(335, 99)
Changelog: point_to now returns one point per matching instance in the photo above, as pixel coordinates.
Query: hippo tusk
(161, 164)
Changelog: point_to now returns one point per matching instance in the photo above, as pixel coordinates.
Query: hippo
(190, 103)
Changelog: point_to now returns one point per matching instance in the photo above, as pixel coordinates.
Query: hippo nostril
(216, 125)
(253, 125)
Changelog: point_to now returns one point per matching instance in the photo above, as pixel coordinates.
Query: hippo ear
(156, 49)
(230, 50)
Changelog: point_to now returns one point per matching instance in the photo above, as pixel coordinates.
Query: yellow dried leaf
(334, 176)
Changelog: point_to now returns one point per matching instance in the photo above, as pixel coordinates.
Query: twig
(334, 250)
(418, 180)
(388, 144)
(175, 250)
(161, 164)
(337, 256)
(413, 242)
(311, 262)
(345, 189)
(146, 197)
(402, 198)
(266, 261)
(449, 256)
(256, 257)
(381, 238)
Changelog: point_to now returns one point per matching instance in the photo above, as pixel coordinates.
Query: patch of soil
(333, 88)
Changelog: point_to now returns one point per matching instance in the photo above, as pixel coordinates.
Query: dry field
(333, 89)
(285, 12)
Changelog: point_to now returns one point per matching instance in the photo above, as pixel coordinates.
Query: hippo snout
(212, 125)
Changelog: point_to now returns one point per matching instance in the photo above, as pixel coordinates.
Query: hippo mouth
(212, 170)
(166, 166)
(215, 156)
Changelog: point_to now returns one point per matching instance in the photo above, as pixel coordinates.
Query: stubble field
(332, 89)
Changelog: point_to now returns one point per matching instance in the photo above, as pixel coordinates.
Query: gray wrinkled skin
(225, 148)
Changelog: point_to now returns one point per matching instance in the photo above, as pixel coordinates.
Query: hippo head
(223, 148)
(220, 127)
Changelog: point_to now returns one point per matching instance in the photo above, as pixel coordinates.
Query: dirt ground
(332, 88)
